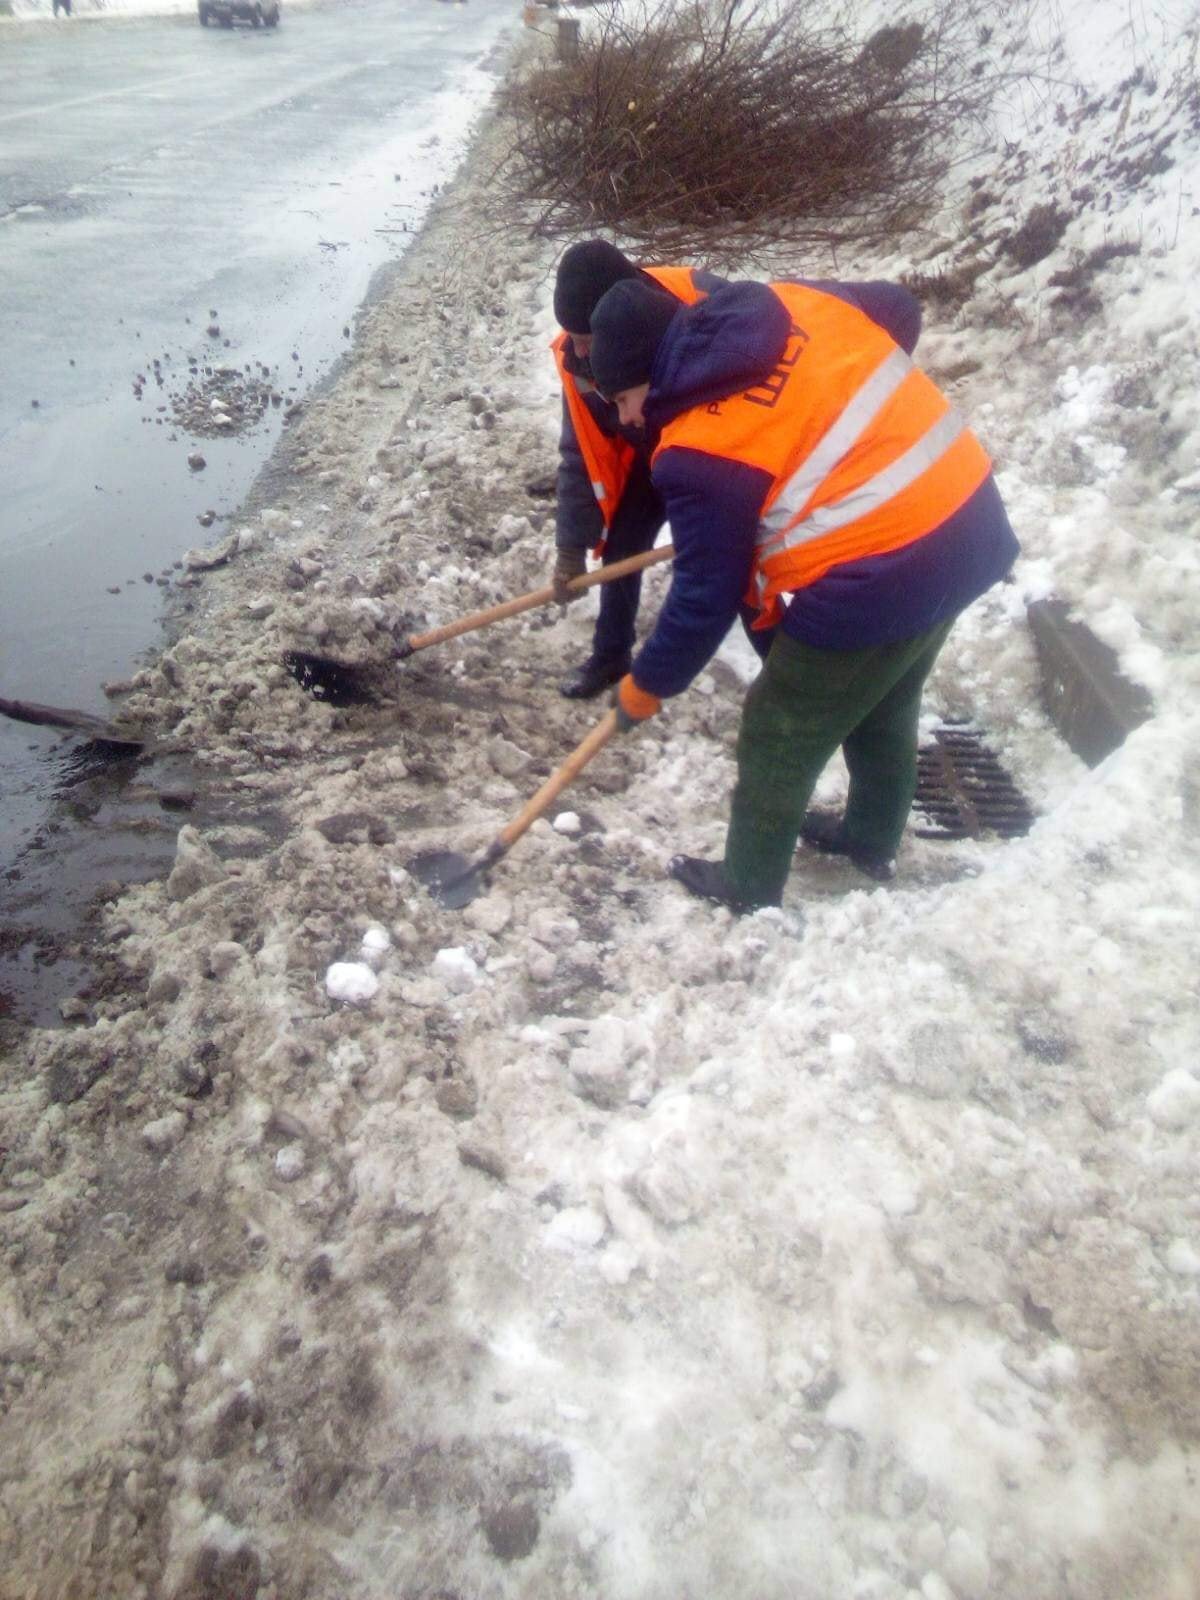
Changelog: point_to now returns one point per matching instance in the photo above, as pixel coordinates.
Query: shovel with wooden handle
(453, 881)
(529, 602)
(96, 729)
(334, 680)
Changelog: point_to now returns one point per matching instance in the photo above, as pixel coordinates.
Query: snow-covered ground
(587, 1242)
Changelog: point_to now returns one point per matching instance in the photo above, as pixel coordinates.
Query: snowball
(567, 822)
(376, 942)
(166, 1133)
(576, 1228)
(1183, 1259)
(897, 1196)
(352, 981)
(290, 1162)
(618, 1263)
(456, 967)
(1176, 1101)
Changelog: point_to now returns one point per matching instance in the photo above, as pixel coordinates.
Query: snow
(456, 968)
(1183, 1258)
(376, 942)
(351, 981)
(290, 1162)
(619, 1248)
(1175, 1102)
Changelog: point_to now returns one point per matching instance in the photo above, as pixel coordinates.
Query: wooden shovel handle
(539, 597)
(555, 784)
(64, 717)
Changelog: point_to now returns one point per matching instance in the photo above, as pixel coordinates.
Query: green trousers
(801, 707)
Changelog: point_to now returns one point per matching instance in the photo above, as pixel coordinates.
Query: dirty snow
(587, 1242)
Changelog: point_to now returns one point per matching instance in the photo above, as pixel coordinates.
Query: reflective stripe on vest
(845, 432)
(865, 453)
(609, 459)
(877, 491)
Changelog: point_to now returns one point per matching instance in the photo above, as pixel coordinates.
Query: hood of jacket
(718, 347)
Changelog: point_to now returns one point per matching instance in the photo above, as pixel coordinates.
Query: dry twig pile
(718, 128)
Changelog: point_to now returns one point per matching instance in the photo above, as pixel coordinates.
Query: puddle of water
(114, 823)
(94, 836)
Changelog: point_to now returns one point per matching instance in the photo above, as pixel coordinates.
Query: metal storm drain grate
(963, 792)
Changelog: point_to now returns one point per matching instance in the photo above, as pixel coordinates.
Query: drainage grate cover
(963, 792)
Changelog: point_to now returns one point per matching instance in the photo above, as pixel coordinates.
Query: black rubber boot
(824, 831)
(593, 677)
(707, 880)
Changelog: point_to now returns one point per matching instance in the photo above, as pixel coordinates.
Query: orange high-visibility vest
(866, 454)
(609, 461)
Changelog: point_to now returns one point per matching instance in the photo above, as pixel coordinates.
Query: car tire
(256, 17)
(273, 18)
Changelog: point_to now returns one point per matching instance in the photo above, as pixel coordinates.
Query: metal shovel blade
(451, 879)
(341, 683)
(325, 678)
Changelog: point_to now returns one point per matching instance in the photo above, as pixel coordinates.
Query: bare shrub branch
(725, 128)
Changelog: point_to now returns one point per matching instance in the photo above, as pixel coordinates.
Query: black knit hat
(627, 328)
(586, 272)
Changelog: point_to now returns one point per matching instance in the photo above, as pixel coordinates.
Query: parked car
(258, 13)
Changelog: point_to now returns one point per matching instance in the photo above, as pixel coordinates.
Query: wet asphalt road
(153, 173)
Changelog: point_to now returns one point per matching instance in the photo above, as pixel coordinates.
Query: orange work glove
(633, 705)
